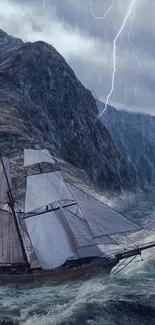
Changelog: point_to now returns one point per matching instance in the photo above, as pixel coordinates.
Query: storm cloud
(87, 43)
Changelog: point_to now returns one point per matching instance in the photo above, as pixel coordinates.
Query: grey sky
(87, 43)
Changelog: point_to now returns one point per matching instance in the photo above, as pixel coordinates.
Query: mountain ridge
(42, 102)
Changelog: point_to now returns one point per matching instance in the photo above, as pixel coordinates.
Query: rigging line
(132, 206)
(150, 230)
(118, 266)
(119, 243)
(148, 257)
(124, 266)
(9, 239)
(1, 228)
(110, 208)
(130, 240)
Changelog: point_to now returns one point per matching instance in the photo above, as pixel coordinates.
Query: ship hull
(53, 277)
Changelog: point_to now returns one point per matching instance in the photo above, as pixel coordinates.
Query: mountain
(134, 135)
(8, 45)
(43, 104)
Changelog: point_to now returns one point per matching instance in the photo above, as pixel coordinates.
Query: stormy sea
(127, 298)
(122, 299)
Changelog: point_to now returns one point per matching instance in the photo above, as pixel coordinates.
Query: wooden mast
(11, 204)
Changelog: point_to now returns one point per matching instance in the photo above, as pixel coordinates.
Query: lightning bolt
(130, 30)
(114, 55)
(106, 13)
(129, 40)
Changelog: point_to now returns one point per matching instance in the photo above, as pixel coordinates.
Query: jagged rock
(42, 102)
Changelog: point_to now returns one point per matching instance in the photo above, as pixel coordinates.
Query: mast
(11, 204)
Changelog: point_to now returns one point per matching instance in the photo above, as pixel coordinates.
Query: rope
(145, 259)
(124, 266)
(118, 266)
(130, 240)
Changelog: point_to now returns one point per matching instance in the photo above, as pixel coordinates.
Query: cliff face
(42, 102)
(134, 135)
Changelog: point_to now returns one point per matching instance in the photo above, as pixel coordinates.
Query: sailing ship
(59, 234)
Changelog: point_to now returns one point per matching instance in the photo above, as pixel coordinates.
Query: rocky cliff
(43, 103)
(8, 45)
(134, 135)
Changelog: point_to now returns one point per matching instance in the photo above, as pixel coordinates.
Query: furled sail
(102, 219)
(32, 157)
(51, 242)
(10, 248)
(44, 189)
(4, 188)
(81, 230)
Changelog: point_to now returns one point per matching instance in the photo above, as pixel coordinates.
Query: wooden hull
(100, 266)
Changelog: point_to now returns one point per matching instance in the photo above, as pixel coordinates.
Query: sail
(44, 189)
(102, 219)
(50, 240)
(89, 251)
(75, 210)
(81, 230)
(4, 188)
(10, 247)
(32, 157)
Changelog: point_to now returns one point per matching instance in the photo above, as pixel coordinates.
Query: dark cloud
(87, 43)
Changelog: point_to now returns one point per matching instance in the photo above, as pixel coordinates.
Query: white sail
(32, 157)
(50, 240)
(75, 209)
(10, 248)
(89, 251)
(101, 218)
(4, 188)
(44, 189)
(81, 230)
